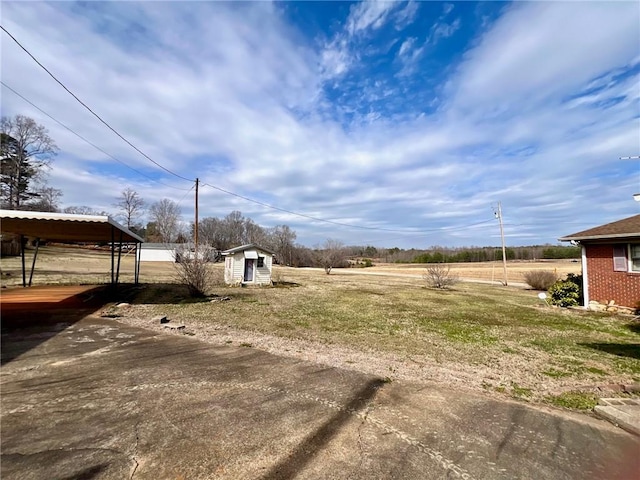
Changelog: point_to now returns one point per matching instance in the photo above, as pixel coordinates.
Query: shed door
(248, 269)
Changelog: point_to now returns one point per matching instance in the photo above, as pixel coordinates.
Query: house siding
(238, 267)
(157, 255)
(604, 283)
(263, 274)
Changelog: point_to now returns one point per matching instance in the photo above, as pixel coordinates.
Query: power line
(185, 195)
(324, 220)
(406, 232)
(87, 141)
(180, 176)
(92, 112)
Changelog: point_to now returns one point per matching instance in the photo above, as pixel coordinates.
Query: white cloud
(535, 115)
(569, 45)
(406, 15)
(443, 30)
(447, 8)
(406, 46)
(369, 14)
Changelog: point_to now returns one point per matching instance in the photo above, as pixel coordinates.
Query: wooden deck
(28, 303)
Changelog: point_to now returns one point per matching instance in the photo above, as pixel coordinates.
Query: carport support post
(119, 256)
(33, 263)
(24, 272)
(113, 246)
(137, 263)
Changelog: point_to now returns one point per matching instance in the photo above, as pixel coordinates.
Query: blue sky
(411, 119)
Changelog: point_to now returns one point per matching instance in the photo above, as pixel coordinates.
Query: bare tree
(84, 210)
(332, 254)
(165, 214)
(131, 206)
(25, 151)
(233, 228)
(439, 276)
(281, 240)
(46, 199)
(194, 271)
(253, 233)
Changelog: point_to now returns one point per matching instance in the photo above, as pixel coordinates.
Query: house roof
(162, 246)
(65, 227)
(625, 228)
(249, 246)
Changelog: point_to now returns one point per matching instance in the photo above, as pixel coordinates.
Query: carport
(71, 229)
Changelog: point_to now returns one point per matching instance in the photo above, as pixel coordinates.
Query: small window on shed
(619, 258)
(635, 257)
(260, 262)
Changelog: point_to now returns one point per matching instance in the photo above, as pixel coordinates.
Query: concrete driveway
(97, 399)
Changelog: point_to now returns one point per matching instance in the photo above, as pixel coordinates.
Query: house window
(619, 258)
(261, 261)
(634, 257)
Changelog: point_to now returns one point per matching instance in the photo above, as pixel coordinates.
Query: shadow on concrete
(86, 474)
(631, 350)
(289, 467)
(33, 315)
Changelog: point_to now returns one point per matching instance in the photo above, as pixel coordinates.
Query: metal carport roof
(65, 227)
(69, 228)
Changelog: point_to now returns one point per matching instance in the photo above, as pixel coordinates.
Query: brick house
(611, 262)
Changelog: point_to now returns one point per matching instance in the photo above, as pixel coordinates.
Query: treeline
(481, 254)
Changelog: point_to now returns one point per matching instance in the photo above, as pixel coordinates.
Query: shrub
(440, 276)
(567, 293)
(193, 271)
(540, 279)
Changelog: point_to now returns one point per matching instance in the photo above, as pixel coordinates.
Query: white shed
(248, 265)
(158, 252)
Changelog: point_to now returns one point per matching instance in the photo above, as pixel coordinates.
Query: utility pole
(195, 233)
(504, 250)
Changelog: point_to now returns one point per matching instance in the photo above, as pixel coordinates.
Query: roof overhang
(250, 246)
(579, 238)
(65, 227)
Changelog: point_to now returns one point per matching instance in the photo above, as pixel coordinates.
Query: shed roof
(625, 228)
(65, 227)
(249, 246)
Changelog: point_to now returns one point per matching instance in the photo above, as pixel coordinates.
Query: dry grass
(484, 336)
(485, 271)
(502, 339)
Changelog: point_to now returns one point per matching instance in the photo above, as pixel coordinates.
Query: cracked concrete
(134, 403)
(136, 464)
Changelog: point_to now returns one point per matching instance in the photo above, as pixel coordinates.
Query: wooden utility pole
(195, 233)
(504, 250)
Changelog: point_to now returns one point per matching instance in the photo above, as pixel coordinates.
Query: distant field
(74, 266)
(485, 271)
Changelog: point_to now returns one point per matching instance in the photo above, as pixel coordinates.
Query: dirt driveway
(98, 399)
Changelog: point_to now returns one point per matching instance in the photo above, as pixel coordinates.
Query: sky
(403, 123)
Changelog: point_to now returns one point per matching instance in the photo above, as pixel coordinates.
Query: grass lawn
(503, 339)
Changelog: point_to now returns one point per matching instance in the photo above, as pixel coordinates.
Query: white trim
(585, 277)
(630, 260)
(244, 269)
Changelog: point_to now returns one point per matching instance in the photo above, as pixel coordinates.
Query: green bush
(567, 293)
(540, 279)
